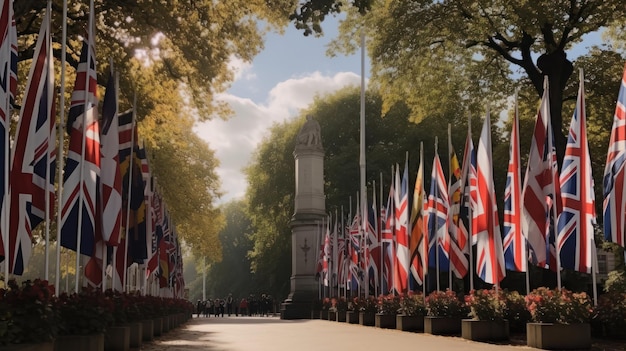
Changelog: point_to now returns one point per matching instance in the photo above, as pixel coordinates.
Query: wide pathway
(272, 333)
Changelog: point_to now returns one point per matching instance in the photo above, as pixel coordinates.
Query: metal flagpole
(6, 208)
(362, 153)
(437, 233)
(450, 202)
(470, 240)
(381, 269)
(393, 235)
(424, 232)
(343, 261)
(60, 150)
(128, 192)
(48, 170)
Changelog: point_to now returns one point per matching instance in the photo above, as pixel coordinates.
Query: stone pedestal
(442, 325)
(552, 336)
(117, 338)
(309, 211)
(484, 330)
(409, 323)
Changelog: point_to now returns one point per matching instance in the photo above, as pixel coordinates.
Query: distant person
(243, 307)
(229, 304)
(199, 308)
(221, 309)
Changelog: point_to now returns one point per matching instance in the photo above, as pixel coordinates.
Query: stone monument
(310, 209)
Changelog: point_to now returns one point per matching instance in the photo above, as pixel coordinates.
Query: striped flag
(576, 221)
(33, 155)
(419, 259)
(456, 240)
(387, 240)
(490, 258)
(82, 170)
(540, 190)
(515, 255)
(354, 247)
(401, 201)
(438, 206)
(614, 205)
(468, 202)
(373, 245)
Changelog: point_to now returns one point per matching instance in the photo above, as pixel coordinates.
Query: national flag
(387, 240)
(401, 204)
(326, 256)
(514, 242)
(456, 240)
(614, 184)
(540, 190)
(157, 208)
(419, 259)
(354, 271)
(111, 180)
(373, 245)
(33, 160)
(489, 256)
(576, 221)
(438, 219)
(469, 180)
(81, 179)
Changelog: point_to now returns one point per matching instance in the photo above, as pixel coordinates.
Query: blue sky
(281, 80)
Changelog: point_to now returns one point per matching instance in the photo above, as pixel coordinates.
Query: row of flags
(549, 217)
(111, 211)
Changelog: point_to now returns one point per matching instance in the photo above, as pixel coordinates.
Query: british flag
(490, 258)
(456, 240)
(576, 221)
(341, 258)
(468, 201)
(614, 184)
(438, 219)
(419, 260)
(387, 241)
(354, 270)
(373, 245)
(33, 160)
(541, 190)
(82, 170)
(401, 202)
(514, 242)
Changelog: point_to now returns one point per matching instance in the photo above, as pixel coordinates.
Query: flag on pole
(541, 190)
(514, 243)
(33, 155)
(438, 218)
(456, 240)
(387, 240)
(576, 221)
(354, 271)
(416, 245)
(489, 256)
(468, 201)
(614, 205)
(401, 201)
(82, 170)
(373, 245)
(137, 236)
(111, 180)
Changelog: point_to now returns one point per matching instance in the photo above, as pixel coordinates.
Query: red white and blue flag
(387, 241)
(373, 246)
(469, 180)
(419, 259)
(489, 255)
(514, 242)
(81, 179)
(614, 184)
(540, 190)
(354, 270)
(437, 213)
(457, 240)
(576, 221)
(33, 160)
(401, 202)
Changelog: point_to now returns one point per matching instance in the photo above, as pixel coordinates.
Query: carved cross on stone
(305, 249)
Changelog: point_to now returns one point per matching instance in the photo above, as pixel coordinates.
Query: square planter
(558, 336)
(315, 314)
(147, 330)
(117, 339)
(442, 325)
(484, 330)
(332, 315)
(352, 317)
(136, 334)
(341, 316)
(385, 321)
(409, 323)
(93, 342)
(157, 327)
(42, 346)
(323, 314)
(367, 318)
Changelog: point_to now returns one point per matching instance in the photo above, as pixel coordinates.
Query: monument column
(309, 210)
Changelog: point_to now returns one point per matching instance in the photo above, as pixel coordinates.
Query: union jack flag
(438, 219)
(81, 179)
(614, 206)
(575, 224)
(33, 155)
(354, 271)
(541, 190)
(401, 200)
(490, 258)
(514, 242)
(456, 240)
(387, 240)
(373, 245)
(469, 180)
(153, 261)
(341, 260)
(419, 259)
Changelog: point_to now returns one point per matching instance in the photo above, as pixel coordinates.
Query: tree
(421, 50)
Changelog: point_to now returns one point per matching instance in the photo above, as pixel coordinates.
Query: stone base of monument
(295, 310)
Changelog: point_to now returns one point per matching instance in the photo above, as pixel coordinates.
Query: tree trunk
(558, 69)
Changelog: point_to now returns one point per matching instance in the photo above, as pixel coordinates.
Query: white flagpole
(343, 261)
(60, 150)
(128, 191)
(6, 208)
(470, 214)
(393, 235)
(362, 156)
(48, 170)
(381, 269)
(424, 232)
(449, 203)
(437, 232)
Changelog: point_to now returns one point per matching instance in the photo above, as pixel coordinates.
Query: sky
(281, 80)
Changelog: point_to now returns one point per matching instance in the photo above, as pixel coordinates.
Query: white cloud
(241, 68)
(235, 140)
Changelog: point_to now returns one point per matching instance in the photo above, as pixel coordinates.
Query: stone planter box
(409, 323)
(315, 314)
(165, 327)
(367, 318)
(332, 315)
(157, 327)
(341, 316)
(147, 330)
(323, 314)
(43, 346)
(352, 317)
(558, 336)
(442, 325)
(93, 342)
(117, 339)
(484, 330)
(135, 335)
(385, 321)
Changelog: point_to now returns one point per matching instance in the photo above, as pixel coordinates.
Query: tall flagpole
(470, 241)
(363, 191)
(50, 119)
(437, 232)
(343, 261)
(424, 231)
(60, 152)
(449, 209)
(128, 192)
(381, 269)
(7, 126)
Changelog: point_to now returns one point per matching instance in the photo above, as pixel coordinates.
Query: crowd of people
(246, 306)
